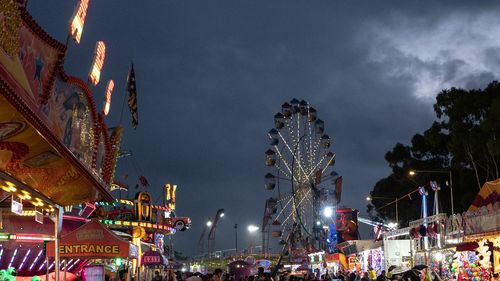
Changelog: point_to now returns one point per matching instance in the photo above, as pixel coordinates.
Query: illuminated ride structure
(303, 183)
(55, 148)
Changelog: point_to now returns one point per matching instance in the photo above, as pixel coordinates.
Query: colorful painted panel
(28, 57)
(39, 61)
(69, 116)
(25, 155)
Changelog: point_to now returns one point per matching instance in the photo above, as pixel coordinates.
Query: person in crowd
(365, 277)
(382, 276)
(157, 276)
(260, 274)
(352, 276)
(372, 274)
(171, 276)
(217, 275)
(327, 276)
(194, 277)
(358, 276)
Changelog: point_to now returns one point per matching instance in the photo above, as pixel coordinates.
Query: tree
(465, 139)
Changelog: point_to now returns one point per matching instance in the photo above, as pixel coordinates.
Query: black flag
(132, 96)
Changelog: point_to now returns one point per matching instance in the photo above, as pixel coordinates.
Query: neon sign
(98, 62)
(170, 190)
(107, 97)
(78, 20)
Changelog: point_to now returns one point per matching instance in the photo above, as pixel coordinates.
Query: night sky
(212, 74)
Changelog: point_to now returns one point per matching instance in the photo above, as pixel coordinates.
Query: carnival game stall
(153, 260)
(397, 254)
(481, 227)
(427, 235)
(364, 254)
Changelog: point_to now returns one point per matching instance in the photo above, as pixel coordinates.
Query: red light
(98, 62)
(76, 24)
(107, 97)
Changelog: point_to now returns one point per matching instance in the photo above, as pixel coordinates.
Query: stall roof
(91, 241)
(488, 194)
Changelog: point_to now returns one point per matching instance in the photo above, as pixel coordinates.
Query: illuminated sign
(98, 62)
(16, 207)
(170, 190)
(89, 249)
(78, 20)
(107, 97)
(143, 206)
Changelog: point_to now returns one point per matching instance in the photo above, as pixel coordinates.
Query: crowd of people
(261, 275)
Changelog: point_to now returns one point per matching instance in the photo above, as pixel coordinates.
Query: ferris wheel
(301, 177)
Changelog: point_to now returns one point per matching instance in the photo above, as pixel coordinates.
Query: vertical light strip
(1, 254)
(12, 259)
(36, 259)
(24, 259)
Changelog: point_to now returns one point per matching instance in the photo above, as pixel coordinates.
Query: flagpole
(124, 97)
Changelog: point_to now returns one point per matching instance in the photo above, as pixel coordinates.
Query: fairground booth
(462, 246)
(55, 148)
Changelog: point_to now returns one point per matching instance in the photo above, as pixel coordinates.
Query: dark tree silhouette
(465, 139)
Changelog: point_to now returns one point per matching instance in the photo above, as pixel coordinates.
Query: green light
(118, 262)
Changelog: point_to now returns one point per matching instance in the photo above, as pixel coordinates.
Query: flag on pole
(132, 96)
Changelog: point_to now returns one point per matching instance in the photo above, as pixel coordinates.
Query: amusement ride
(305, 188)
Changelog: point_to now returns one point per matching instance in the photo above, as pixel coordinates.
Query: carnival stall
(481, 227)
(364, 254)
(55, 148)
(93, 241)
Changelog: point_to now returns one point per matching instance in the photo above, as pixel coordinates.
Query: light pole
(414, 172)
(252, 229)
(209, 225)
(369, 198)
(236, 237)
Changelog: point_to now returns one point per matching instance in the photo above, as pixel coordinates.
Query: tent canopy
(91, 241)
(489, 194)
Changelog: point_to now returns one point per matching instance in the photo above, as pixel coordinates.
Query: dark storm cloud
(211, 75)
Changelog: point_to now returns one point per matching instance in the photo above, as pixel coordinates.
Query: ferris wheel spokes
(291, 152)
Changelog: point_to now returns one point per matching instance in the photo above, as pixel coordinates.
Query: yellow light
(134, 223)
(412, 173)
(78, 20)
(12, 189)
(95, 70)
(126, 223)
